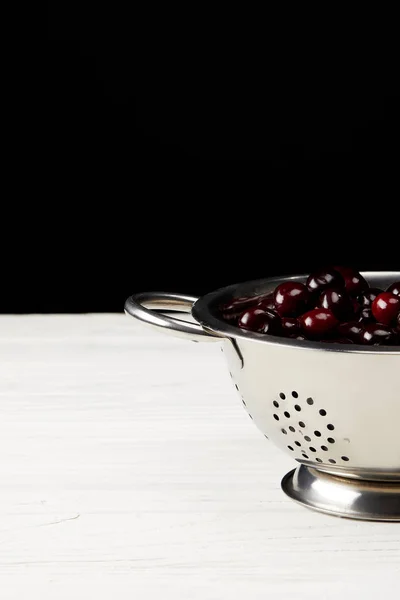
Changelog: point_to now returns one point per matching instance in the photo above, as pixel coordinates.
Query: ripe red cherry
(354, 281)
(318, 323)
(260, 321)
(338, 301)
(320, 280)
(290, 299)
(376, 334)
(395, 288)
(352, 330)
(386, 307)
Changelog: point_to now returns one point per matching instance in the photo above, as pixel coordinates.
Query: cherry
(366, 298)
(320, 280)
(352, 330)
(290, 327)
(394, 288)
(290, 299)
(338, 301)
(261, 321)
(376, 334)
(386, 307)
(318, 323)
(354, 281)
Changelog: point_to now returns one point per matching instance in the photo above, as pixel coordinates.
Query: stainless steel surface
(136, 305)
(366, 500)
(334, 408)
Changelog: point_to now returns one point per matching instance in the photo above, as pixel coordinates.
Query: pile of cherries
(334, 305)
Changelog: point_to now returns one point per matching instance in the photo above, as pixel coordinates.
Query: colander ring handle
(138, 306)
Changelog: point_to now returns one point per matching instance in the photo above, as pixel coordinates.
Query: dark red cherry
(320, 280)
(290, 299)
(352, 330)
(260, 321)
(338, 301)
(254, 319)
(386, 307)
(376, 334)
(366, 298)
(394, 288)
(354, 282)
(318, 323)
(366, 316)
(290, 327)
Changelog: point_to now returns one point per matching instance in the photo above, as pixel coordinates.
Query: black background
(188, 150)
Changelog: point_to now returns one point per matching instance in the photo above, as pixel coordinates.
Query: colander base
(342, 497)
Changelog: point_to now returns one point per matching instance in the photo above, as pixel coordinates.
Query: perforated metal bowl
(334, 408)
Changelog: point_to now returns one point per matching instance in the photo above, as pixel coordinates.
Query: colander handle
(138, 306)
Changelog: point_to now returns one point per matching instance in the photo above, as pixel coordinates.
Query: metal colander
(334, 408)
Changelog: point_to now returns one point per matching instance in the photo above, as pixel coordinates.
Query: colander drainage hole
(276, 404)
(292, 429)
(302, 424)
(287, 415)
(322, 412)
(330, 427)
(236, 386)
(305, 455)
(295, 395)
(297, 443)
(282, 396)
(297, 407)
(333, 462)
(324, 448)
(331, 440)
(310, 401)
(291, 448)
(276, 417)
(345, 458)
(319, 460)
(312, 449)
(307, 438)
(317, 433)
(284, 431)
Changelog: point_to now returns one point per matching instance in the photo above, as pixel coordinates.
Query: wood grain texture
(129, 469)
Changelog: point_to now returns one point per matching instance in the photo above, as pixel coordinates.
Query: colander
(334, 408)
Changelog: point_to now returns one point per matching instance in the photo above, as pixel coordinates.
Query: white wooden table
(129, 469)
